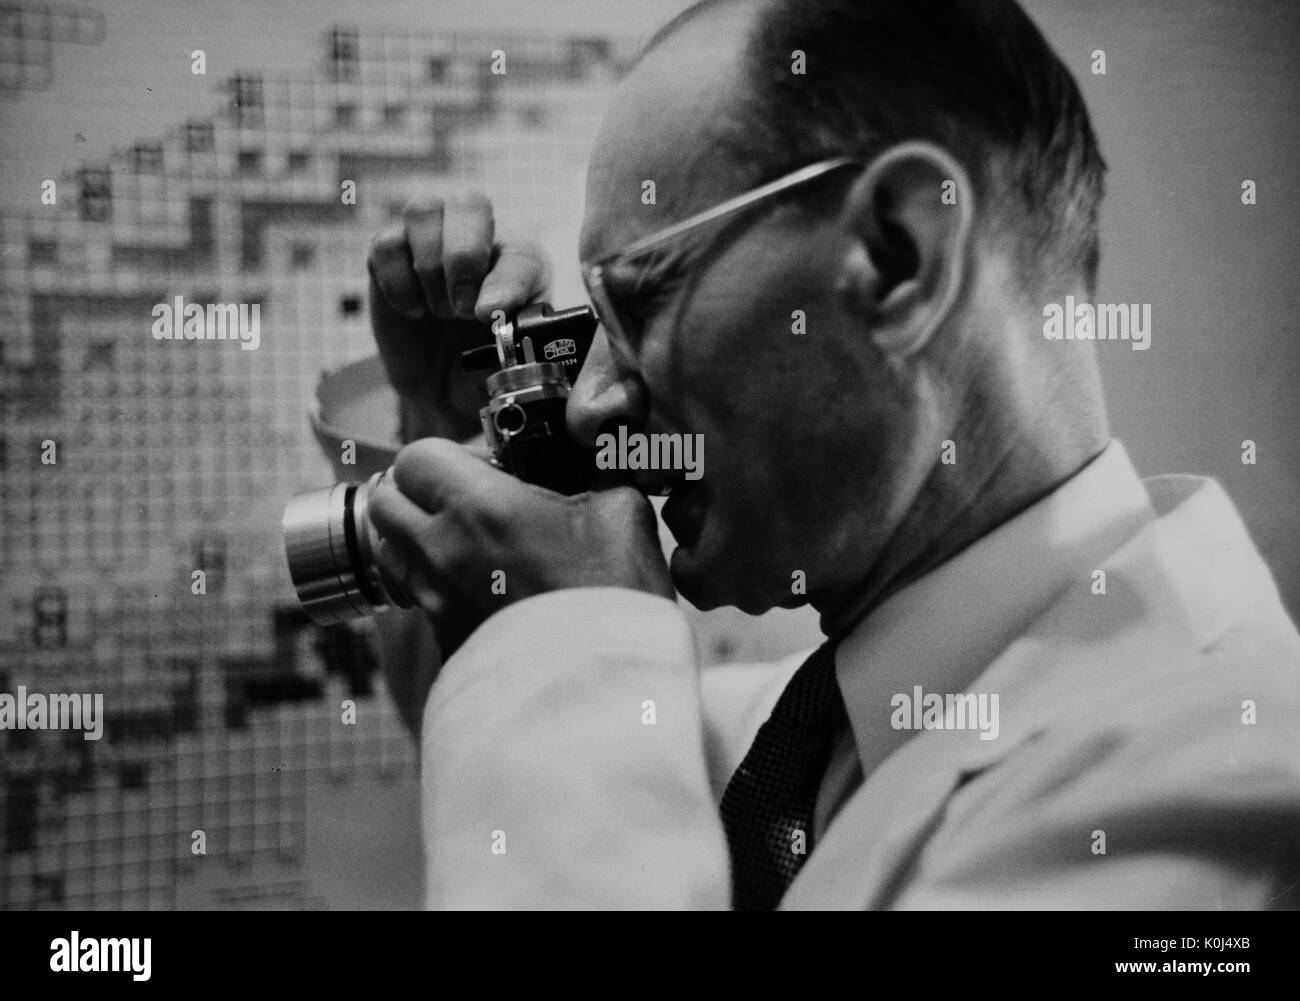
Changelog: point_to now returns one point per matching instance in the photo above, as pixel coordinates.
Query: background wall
(248, 759)
(224, 709)
(1199, 96)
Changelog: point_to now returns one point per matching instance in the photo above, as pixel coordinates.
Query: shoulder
(1167, 784)
(1152, 741)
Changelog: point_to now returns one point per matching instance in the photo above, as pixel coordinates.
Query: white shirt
(941, 631)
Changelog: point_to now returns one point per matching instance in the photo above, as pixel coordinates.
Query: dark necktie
(771, 796)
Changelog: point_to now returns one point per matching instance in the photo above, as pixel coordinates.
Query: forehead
(662, 127)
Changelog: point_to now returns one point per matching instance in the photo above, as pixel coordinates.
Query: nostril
(595, 409)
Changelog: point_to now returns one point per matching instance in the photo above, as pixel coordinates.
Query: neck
(951, 513)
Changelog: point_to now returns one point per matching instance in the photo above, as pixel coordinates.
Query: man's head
(827, 342)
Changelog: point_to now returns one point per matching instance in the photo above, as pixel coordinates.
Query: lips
(657, 483)
(683, 512)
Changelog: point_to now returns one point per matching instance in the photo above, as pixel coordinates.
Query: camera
(329, 540)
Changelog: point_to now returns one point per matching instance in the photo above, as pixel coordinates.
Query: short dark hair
(976, 77)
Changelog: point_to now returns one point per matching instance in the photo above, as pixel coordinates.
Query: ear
(908, 264)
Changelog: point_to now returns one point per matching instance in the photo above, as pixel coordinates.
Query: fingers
(423, 534)
(422, 219)
(467, 232)
(422, 584)
(450, 246)
(392, 270)
(403, 576)
(423, 553)
(442, 260)
(411, 548)
(520, 273)
(433, 471)
(435, 279)
(404, 342)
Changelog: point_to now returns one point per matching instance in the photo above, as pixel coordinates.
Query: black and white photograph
(649, 455)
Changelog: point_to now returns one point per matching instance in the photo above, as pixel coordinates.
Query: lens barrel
(330, 545)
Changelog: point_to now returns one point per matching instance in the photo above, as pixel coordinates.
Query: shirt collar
(943, 630)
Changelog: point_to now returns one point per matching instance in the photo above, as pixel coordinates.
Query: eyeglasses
(618, 324)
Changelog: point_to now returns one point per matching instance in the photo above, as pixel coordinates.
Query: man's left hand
(464, 539)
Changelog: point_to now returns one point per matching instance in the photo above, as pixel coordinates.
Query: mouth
(683, 512)
(657, 483)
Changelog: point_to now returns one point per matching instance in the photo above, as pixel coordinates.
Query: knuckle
(414, 461)
(473, 201)
(626, 505)
(408, 460)
(387, 245)
(424, 203)
(389, 263)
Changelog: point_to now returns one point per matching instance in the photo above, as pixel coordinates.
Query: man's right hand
(435, 280)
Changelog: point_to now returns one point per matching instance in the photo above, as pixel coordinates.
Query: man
(1047, 683)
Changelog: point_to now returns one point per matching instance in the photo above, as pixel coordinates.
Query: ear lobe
(912, 209)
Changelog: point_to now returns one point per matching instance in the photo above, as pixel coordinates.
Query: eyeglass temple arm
(800, 176)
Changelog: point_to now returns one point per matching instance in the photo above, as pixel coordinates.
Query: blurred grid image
(223, 710)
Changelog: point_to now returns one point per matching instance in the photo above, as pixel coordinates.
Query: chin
(707, 588)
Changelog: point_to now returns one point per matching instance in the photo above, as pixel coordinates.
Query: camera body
(540, 352)
(329, 540)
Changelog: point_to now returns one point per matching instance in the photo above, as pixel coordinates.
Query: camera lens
(330, 545)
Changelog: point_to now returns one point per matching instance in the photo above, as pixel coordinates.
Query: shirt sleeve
(563, 762)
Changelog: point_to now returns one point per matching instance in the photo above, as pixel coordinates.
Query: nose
(607, 392)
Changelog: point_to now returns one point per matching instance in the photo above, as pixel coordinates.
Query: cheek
(736, 353)
(764, 360)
